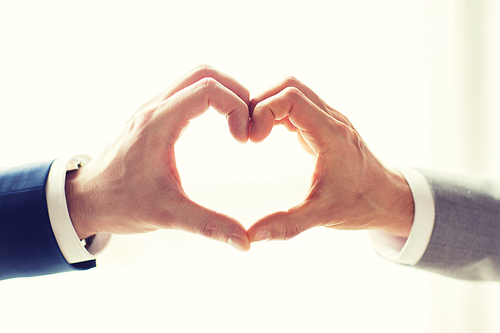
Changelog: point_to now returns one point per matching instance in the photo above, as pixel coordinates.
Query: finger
(289, 81)
(289, 126)
(195, 75)
(287, 123)
(275, 109)
(282, 225)
(197, 219)
(315, 125)
(174, 114)
(308, 92)
(204, 71)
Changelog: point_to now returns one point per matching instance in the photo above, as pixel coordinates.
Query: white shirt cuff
(410, 250)
(66, 237)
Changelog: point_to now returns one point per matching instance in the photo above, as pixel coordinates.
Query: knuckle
(290, 81)
(344, 131)
(350, 136)
(204, 70)
(292, 93)
(291, 230)
(210, 229)
(142, 119)
(206, 83)
(345, 120)
(340, 117)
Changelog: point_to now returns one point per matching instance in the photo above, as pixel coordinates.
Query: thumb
(197, 219)
(281, 225)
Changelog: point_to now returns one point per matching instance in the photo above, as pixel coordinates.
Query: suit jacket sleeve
(465, 241)
(27, 244)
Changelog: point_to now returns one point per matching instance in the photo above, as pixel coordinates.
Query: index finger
(198, 73)
(204, 71)
(314, 124)
(289, 81)
(174, 114)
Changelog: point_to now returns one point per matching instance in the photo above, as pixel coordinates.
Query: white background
(72, 73)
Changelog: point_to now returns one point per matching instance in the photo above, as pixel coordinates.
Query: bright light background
(72, 73)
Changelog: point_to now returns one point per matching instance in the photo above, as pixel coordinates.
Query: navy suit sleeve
(27, 244)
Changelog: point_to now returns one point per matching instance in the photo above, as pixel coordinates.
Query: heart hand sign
(134, 185)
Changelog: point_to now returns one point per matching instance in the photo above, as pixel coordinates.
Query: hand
(134, 186)
(350, 188)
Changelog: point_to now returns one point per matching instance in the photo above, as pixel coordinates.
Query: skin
(134, 186)
(350, 188)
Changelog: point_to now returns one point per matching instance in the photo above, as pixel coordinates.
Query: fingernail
(236, 243)
(263, 234)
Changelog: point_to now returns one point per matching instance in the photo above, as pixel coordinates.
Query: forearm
(64, 227)
(465, 242)
(27, 243)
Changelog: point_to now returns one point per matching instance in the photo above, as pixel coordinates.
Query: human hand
(350, 188)
(134, 186)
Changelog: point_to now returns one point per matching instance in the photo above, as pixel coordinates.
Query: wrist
(399, 207)
(77, 201)
(404, 207)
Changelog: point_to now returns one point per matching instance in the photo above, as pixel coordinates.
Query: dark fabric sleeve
(465, 242)
(27, 244)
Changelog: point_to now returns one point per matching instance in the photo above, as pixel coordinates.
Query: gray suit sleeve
(465, 242)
